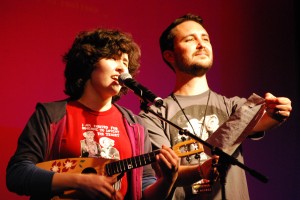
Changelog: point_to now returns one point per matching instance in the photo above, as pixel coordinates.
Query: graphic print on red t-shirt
(96, 134)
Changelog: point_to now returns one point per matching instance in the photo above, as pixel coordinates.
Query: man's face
(192, 48)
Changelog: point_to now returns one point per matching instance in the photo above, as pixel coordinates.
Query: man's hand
(278, 108)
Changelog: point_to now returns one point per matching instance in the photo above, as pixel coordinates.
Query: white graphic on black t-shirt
(202, 125)
(200, 128)
(196, 125)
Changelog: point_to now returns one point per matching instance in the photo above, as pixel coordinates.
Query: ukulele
(107, 167)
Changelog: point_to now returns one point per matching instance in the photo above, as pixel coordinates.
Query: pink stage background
(255, 50)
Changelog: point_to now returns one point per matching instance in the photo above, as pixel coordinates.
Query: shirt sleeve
(158, 136)
(22, 175)
(148, 172)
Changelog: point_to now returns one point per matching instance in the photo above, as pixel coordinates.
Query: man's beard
(194, 69)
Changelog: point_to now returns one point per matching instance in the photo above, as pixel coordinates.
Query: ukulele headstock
(178, 148)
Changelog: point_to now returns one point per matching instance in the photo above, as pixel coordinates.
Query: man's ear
(168, 56)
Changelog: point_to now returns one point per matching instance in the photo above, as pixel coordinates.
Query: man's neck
(190, 85)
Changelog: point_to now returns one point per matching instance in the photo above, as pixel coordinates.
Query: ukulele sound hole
(89, 170)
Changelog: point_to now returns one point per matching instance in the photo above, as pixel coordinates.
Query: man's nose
(199, 44)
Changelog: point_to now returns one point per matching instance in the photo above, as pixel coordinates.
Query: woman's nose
(122, 68)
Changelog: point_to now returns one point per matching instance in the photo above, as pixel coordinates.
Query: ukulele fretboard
(130, 163)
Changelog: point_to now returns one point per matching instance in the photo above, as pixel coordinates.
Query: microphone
(126, 80)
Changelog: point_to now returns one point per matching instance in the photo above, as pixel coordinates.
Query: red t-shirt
(90, 133)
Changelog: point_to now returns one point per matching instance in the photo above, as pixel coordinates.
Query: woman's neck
(96, 103)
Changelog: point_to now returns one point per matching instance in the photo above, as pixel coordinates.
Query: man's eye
(189, 39)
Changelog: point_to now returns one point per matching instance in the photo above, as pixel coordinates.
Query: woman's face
(104, 78)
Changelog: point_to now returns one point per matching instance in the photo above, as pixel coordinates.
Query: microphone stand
(224, 159)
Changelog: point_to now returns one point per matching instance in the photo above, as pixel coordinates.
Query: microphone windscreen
(123, 77)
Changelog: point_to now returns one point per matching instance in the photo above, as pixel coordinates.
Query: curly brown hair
(91, 46)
